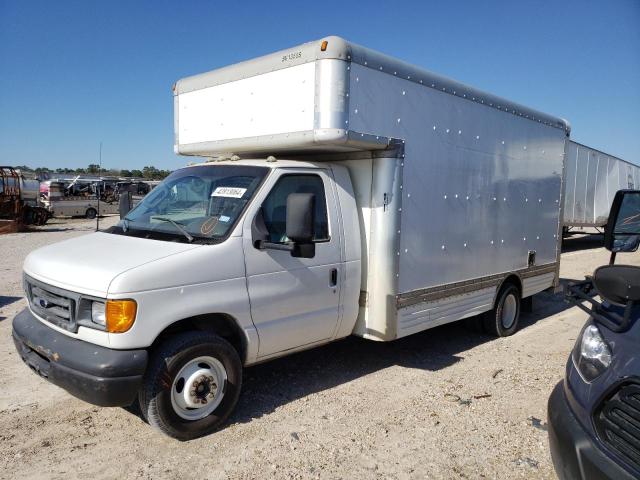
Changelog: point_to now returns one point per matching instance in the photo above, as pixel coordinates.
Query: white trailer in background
(592, 179)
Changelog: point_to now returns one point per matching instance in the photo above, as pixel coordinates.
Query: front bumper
(575, 454)
(95, 374)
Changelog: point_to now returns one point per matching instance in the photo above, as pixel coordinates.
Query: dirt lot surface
(446, 403)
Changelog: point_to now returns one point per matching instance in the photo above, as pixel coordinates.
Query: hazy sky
(74, 73)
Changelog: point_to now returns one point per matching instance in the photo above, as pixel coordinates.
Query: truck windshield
(194, 203)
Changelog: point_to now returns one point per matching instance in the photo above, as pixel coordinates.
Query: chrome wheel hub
(509, 311)
(198, 388)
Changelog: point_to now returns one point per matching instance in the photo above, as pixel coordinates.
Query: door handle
(333, 277)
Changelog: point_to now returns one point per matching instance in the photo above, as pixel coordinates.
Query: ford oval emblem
(43, 303)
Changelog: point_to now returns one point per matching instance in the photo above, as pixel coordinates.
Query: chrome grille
(618, 423)
(53, 304)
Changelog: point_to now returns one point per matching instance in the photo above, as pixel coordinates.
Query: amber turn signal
(323, 46)
(120, 315)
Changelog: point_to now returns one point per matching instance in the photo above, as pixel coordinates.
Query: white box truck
(344, 193)
(592, 179)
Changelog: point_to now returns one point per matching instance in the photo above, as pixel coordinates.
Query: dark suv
(594, 414)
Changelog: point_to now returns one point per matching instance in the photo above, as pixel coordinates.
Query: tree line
(149, 172)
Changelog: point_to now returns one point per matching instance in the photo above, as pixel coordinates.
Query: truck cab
(206, 251)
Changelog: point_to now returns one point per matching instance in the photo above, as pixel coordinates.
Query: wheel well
(511, 279)
(220, 323)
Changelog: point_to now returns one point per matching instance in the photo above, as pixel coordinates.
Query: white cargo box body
(473, 191)
(592, 180)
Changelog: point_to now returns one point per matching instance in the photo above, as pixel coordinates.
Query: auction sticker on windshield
(230, 192)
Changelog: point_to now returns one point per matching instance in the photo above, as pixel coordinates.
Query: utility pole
(98, 186)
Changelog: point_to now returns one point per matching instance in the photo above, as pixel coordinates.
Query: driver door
(294, 301)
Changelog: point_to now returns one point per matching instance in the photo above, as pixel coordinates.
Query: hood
(89, 263)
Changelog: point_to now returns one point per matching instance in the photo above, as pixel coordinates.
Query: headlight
(592, 355)
(120, 315)
(98, 313)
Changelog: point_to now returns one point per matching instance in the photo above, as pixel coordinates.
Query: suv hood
(88, 264)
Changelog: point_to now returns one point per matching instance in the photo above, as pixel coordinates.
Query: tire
(161, 400)
(502, 321)
(91, 213)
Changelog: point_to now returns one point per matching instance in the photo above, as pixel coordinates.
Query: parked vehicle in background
(80, 198)
(137, 188)
(365, 197)
(19, 202)
(594, 414)
(81, 207)
(592, 179)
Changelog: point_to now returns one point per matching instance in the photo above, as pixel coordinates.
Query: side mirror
(299, 227)
(622, 233)
(301, 217)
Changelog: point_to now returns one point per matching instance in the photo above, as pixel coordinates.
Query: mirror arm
(301, 250)
(264, 245)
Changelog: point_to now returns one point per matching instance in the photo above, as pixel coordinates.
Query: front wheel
(502, 321)
(192, 385)
(91, 213)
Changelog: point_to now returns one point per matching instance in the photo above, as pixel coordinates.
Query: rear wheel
(192, 385)
(91, 213)
(502, 321)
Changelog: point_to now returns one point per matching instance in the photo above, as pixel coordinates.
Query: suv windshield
(194, 203)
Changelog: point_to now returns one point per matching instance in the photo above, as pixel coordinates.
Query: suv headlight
(591, 355)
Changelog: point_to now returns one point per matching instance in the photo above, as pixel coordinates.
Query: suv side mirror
(622, 233)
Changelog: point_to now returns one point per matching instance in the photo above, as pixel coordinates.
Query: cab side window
(274, 208)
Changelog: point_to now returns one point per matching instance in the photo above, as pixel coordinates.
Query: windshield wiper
(177, 225)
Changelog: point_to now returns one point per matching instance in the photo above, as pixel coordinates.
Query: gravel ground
(446, 403)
